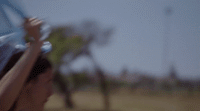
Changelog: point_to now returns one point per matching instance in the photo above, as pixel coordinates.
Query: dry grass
(125, 101)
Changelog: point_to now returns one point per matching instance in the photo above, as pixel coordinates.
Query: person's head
(38, 86)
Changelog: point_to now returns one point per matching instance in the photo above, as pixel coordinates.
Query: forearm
(13, 81)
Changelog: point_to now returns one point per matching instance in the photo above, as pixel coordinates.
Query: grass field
(126, 101)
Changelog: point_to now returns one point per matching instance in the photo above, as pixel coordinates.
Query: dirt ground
(125, 101)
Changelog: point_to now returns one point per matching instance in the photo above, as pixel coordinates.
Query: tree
(124, 73)
(73, 42)
(173, 78)
(62, 44)
(92, 33)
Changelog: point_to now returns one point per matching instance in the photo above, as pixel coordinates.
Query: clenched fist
(32, 27)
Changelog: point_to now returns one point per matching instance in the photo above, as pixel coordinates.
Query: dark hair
(40, 66)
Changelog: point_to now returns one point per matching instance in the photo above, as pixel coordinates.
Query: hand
(32, 27)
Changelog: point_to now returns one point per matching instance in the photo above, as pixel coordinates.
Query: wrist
(35, 46)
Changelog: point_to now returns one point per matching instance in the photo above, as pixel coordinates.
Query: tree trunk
(104, 89)
(63, 85)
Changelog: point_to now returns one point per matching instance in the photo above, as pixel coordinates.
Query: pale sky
(137, 42)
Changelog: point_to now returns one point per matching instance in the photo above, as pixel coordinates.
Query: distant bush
(79, 80)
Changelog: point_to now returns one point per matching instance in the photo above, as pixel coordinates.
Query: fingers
(32, 27)
(33, 18)
(34, 22)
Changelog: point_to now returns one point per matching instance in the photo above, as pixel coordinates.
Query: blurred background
(122, 55)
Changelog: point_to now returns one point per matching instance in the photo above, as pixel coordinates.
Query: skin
(35, 94)
(12, 83)
(32, 27)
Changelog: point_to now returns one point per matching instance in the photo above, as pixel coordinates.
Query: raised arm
(12, 83)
